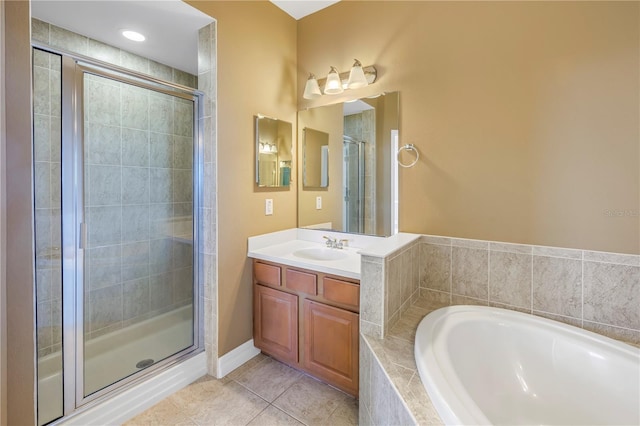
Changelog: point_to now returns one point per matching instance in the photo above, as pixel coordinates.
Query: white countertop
(283, 253)
(280, 246)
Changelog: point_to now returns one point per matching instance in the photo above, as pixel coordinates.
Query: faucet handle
(330, 241)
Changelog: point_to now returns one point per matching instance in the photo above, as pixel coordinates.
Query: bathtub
(483, 365)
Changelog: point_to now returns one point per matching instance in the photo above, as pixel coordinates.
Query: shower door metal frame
(74, 67)
(348, 140)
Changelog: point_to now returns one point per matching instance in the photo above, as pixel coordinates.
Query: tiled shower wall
(361, 127)
(207, 83)
(593, 290)
(138, 197)
(134, 276)
(46, 151)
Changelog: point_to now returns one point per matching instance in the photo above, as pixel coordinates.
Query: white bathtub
(484, 365)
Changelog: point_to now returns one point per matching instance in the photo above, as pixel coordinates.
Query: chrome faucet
(335, 243)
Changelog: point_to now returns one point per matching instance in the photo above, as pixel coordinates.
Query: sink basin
(320, 253)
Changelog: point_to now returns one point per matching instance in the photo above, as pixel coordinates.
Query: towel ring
(408, 147)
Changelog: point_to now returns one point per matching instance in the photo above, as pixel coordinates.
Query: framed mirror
(315, 159)
(273, 141)
(362, 141)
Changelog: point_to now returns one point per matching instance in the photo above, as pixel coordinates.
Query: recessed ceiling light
(133, 35)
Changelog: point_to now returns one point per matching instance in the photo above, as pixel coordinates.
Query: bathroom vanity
(308, 320)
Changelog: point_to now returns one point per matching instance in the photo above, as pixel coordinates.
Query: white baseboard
(234, 359)
(137, 399)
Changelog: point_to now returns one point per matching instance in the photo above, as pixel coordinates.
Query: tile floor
(261, 392)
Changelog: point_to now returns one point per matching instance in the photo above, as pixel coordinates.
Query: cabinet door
(331, 345)
(275, 323)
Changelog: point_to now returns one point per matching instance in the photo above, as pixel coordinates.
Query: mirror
(362, 141)
(273, 152)
(315, 159)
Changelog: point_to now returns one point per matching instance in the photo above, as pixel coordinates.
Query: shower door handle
(83, 236)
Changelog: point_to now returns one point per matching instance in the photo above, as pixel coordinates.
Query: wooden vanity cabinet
(308, 320)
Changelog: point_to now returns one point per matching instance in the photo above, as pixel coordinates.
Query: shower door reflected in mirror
(138, 179)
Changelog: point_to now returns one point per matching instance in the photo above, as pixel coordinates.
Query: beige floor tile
(163, 413)
(272, 416)
(233, 405)
(269, 378)
(248, 366)
(310, 401)
(189, 400)
(346, 414)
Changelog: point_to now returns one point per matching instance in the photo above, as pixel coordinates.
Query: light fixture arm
(370, 73)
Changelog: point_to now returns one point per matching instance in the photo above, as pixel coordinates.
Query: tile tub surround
(597, 291)
(594, 290)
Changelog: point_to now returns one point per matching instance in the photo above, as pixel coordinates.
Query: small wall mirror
(273, 152)
(315, 159)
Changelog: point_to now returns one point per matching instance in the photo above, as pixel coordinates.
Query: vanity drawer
(266, 274)
(302, 281)
(341, 292)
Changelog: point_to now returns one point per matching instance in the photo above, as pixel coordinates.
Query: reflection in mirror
(362, 142)
(315, 159)
(273, 152)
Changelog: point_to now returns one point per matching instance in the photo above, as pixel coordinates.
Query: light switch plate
(268, 206)
(318, 203)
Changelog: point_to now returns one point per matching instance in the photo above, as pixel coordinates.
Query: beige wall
(328, 120)
(3, 245)
(256, 74)
(19, 218)
(526, 114)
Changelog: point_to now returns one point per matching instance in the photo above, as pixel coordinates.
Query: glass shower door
(137, 228)
(353, 185)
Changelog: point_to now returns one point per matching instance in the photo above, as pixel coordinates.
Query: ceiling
(171, 26)
(301, 8)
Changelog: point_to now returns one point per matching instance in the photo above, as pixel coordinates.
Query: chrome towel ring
(408, 147)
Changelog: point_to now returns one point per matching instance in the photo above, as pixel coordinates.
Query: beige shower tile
(272, 416)
(430, 300)
(371, 293)
(269, 379)
(310, 401)
(434, 239)
(557, 286)
(621, 259)
(435, 267)
(510, 248)
(510, 279)
(400, 352)
(472, 244)
(462, 300)
(612, 294)
(470, 272)
(576, 322)
(631, 337)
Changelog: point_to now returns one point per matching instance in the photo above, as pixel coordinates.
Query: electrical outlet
(268, 207)
(318, 203)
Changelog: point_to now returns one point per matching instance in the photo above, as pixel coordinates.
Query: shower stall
(117, 172)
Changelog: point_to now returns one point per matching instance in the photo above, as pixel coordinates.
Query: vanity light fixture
(333, 86)
(133, 35)
(312, 89)
(336, 82)
(357, 78)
